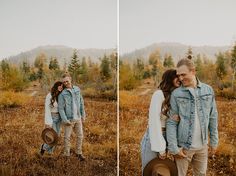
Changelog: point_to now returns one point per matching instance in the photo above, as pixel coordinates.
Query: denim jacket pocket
(68, 100)
(206, 101)
(184, 106)
(68, 105)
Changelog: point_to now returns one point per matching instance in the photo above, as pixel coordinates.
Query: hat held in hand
(157, 166)
(49, 136)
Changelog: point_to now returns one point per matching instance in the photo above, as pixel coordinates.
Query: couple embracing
(64, 105)
(181, 114)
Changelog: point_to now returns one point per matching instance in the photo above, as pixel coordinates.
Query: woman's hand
(162, 155)
(48, 126)
(175, 118)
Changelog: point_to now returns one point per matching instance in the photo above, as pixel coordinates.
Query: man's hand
(83, 120)
(181, 154)
(67, 123)
(212, 151)
(48, 126)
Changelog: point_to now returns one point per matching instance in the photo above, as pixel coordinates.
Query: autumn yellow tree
(156, 66)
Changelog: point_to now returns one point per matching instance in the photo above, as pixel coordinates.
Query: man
(71, 109)
(194, 103)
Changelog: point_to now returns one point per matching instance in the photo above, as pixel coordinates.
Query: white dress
(153, 141)
(51, 118)
(50, 109)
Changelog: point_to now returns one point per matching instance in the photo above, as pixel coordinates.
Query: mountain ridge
(177, 51)
(61, 52)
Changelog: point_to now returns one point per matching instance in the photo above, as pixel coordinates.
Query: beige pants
(78, 129)
(198, 160)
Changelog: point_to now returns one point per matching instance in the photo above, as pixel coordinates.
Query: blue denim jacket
(179, 134)
(65, 104)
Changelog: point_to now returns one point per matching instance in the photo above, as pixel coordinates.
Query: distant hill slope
(177, 51)
(62, 53)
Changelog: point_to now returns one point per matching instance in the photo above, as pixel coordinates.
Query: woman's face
(176, 82)
(60, 88)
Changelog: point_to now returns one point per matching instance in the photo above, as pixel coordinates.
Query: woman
(52, 118)
(153, 142)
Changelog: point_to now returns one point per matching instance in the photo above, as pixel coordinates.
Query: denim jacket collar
(199, 85)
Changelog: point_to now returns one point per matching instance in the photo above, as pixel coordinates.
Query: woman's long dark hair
(55, 92)
(167, 87)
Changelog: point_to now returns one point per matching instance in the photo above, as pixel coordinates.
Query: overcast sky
(26, 24)
(191, 22)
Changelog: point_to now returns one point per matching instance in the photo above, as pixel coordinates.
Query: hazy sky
(26, 24)
(191, 22)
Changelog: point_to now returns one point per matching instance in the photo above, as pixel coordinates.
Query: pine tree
(53, 64)
(105, 68)
(220, 66)
(5, 68)
(157, 67)
(90, 63)
(65, 65)
(139, 69)
(168, 61)
(74, 67)
(199, 67)
(84, 70)
(40, 63)
(25, 69)
(189, 53)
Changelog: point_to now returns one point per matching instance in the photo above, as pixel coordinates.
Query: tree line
(220, 74)
(98, 77)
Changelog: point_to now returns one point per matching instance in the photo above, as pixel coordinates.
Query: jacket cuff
(174, 151)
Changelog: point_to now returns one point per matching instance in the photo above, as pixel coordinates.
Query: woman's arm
(158, 143)
(48, 116)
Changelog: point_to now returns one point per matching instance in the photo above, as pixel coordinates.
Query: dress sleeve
(48, 116)
(158, 143)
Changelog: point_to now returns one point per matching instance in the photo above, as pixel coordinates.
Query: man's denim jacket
(65, 104)
(182, 101)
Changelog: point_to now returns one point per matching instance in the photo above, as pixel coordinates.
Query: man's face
(67, 82)
(186, 76)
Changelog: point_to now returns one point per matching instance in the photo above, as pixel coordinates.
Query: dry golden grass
(133, 123)
(13, 99)
(20, 141)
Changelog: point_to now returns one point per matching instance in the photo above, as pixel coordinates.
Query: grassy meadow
(20, 140)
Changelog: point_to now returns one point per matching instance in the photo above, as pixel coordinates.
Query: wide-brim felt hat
(50, 136)
(157, 166)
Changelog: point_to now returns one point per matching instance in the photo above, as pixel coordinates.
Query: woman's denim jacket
(179, 134)
(65, 104)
